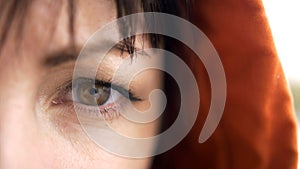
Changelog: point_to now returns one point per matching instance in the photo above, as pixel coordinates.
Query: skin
(33, 132)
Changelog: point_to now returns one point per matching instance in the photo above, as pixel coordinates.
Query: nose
(18, 130)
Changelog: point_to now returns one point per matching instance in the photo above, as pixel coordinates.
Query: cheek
(74, 154)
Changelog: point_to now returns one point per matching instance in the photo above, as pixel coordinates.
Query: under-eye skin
(93, 99)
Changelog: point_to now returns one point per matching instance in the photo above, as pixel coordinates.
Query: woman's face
(38, 124)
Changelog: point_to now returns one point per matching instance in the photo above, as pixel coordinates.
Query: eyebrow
(69, 54)
(61, 56)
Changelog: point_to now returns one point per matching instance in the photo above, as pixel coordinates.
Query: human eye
(93, 99)
(72, 102)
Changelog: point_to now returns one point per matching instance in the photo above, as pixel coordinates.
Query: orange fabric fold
(258, 127)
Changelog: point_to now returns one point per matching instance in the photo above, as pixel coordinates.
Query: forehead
(47, 24)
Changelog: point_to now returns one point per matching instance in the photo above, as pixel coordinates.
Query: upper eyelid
(127, 93)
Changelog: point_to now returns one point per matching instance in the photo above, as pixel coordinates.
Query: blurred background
(284, 19)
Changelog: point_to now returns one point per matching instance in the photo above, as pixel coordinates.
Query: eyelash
(127, 46)
(101, 112)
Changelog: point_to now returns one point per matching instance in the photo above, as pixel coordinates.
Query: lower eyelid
(90, 113)
(107, 112)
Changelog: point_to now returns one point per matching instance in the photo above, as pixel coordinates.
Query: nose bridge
(17, 92)
(17, 115)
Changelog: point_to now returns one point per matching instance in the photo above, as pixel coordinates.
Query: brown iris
(90, 93)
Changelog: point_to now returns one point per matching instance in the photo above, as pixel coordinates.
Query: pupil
(93, 91)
